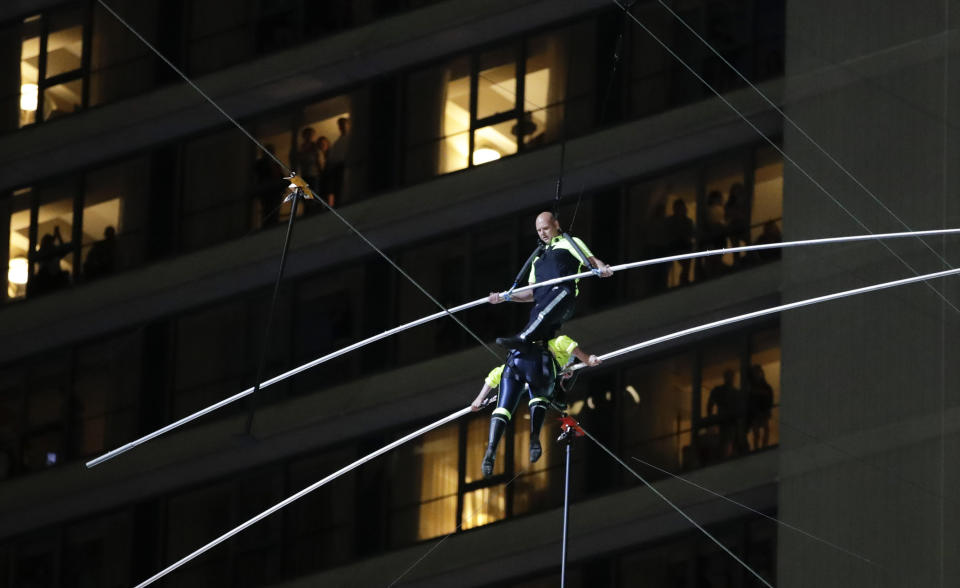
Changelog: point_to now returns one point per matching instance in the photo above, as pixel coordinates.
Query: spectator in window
(725, 399)
(759, 407)
(308, 158)
(713, 235)
(102, 258)
(337, 159)
(49, 276)
(736, 216)
(680, 230)
(323, 154)
(770, 234)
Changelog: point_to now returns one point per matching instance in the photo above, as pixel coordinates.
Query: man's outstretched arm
(525, 296)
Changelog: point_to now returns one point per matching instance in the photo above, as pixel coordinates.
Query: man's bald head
(547, 226)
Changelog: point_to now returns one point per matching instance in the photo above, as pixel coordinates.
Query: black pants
(534, 369)
(550, 310)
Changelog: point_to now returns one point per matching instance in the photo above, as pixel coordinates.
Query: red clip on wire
(567, 423)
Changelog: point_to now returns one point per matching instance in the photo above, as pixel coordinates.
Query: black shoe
(535, 450)
(514, 342)
(487, 465)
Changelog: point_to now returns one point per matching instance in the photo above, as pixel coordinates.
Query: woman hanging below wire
(535, 367)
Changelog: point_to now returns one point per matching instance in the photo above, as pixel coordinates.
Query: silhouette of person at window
(726, 399)
(713, 235)
(337, 159)
(680, 229)
(308, 158)
(323, 185)
(102, 258)
(770, 234)
(49, 276)
(759, 407)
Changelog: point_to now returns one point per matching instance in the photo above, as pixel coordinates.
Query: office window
(763, 390)
(52, 64)
(484, 501)
(656, 399)
(194, 517)
(540, 484)
(53, 259)
(437, 119)
(256, 553)
(423, 497)
(106, 388)
(219, 34)
(215, 198)
(437, 266)
(12, 399)
(766, 213)
(725, 215)
(487, 105)
(327, 148)
(121, 65)
(648, 68)
(267, 176)
(37, 560)
(18, 264)
(722, 403)
(30, 70)
(78, 228)
(328, 317)
(44, 435)
(319, 529)
(98, 552)
(210, 356)
(661, 220)
(115, 205)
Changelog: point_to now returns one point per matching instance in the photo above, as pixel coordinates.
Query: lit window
(51, 65)
(29, 70)
(491, 105)
(439, 473)
(766, 222)
(18, 266)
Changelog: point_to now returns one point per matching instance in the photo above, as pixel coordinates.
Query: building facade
(143, 230)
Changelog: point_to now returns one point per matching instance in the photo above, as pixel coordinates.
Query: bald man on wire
(559, 255)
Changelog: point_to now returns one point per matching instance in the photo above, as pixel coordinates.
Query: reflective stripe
(539, 400)
(544, 312)
(500, 411)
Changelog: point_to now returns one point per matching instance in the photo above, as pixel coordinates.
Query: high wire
(779, 149)
(767, 311)
(346, 469)
(423, 320)
(464, 411)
